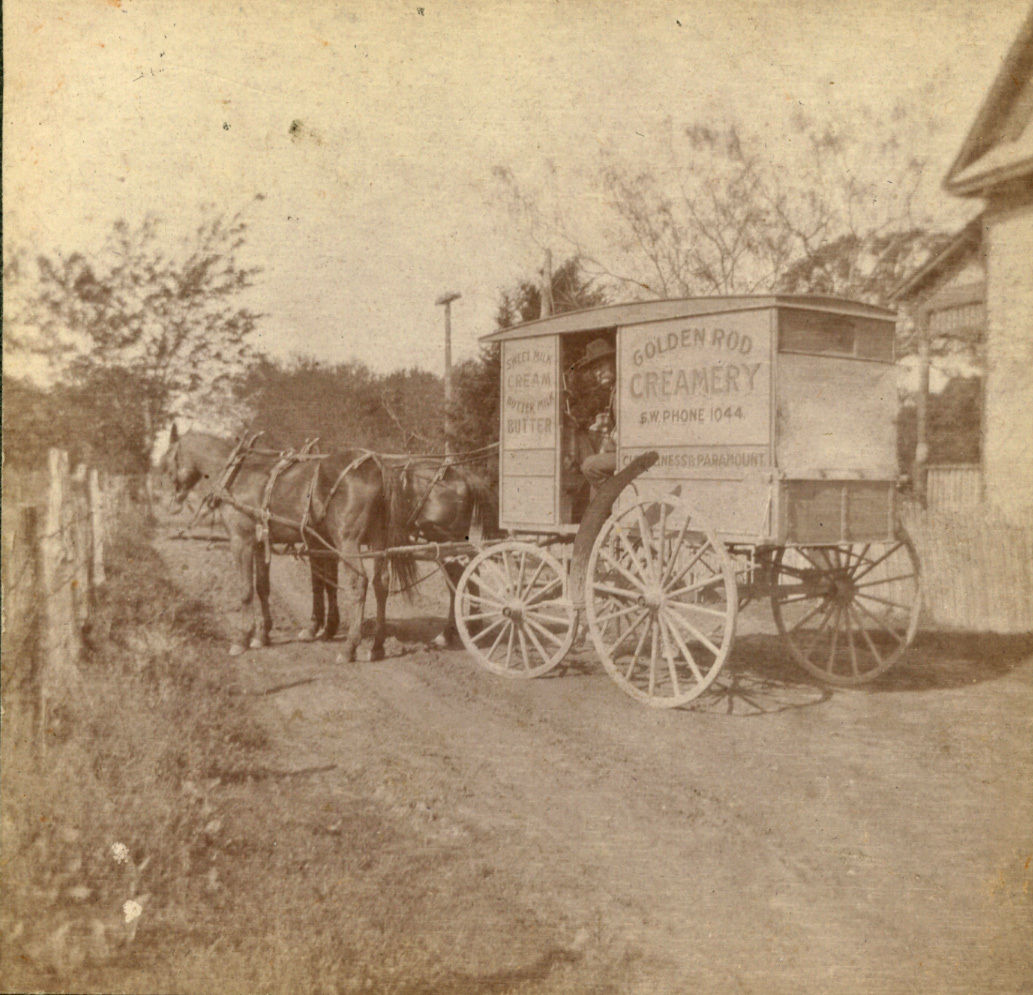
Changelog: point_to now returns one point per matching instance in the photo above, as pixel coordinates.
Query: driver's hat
(596, 350)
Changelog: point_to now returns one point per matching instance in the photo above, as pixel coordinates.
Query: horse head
(178, 469)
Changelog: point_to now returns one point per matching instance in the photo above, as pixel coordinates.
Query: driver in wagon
(592, 404)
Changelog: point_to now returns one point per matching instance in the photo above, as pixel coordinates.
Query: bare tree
(724, 213)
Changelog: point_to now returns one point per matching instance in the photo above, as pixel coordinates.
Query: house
(996, 164)
(946, 300)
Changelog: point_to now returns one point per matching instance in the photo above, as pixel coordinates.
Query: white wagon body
(768, 425)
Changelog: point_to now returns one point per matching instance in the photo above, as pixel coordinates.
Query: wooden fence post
(97, 520)
(60, 636)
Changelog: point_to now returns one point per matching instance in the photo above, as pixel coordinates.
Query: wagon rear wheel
(848, 612)
(512, 612)
(661, 602)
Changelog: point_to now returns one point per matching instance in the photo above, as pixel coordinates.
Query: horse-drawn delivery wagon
(753, 456)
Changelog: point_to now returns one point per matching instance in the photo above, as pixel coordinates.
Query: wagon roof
(615, 315)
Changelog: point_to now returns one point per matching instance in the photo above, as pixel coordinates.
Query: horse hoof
(306, 636)
(259, 644)
(439, 642)
(236, 649)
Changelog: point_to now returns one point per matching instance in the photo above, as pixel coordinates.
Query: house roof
(965, 241)
(999, 146)
(616, 315)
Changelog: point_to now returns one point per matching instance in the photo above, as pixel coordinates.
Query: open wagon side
(756, 457)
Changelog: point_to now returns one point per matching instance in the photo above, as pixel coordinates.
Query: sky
(372, 130)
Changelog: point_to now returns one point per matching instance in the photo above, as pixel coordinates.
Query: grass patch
(164, 843)
(112, 831)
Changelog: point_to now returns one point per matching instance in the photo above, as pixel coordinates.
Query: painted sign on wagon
(696, 386)
(529, 383)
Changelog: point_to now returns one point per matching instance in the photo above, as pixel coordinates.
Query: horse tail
(404, 572)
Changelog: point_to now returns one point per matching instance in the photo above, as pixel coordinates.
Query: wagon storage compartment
(835, 427)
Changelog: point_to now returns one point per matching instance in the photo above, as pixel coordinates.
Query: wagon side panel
(529, 433)
(698, 391)
(835, 429)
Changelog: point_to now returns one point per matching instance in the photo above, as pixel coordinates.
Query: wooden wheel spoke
(883, 601)
(509, 645)
(696, 633)
(853, 649)
(867, 637)
(814, 611)
(480, 599)
(686, 653)
(652, 656)
(851, 556)
(675, 550)
(550, 603)
(638, 647)
(630, 629)
(647, 542)
(621, 569)
(872, 564)
(500, 577)
(617, 592)
(520, 573)
(670, 658)
(479, 615)
(697, 556)
(702, 609)
(498, 639)
(537, 643)
(633, 559)
(534, 577)
(821, 628)
(886, 580)
(660, 567)
(804, 553)
(535, 624)
(835, 639)
(540, 594)
(879, 622)
(698, 586)
(480, 635)
(523, 647)
(610, 616)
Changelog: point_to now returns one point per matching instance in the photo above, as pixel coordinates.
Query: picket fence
(977, 568)
(55, 526)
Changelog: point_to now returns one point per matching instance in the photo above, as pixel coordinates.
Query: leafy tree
(954, 428)
(84, 417)
(149, 326)
(343, 405)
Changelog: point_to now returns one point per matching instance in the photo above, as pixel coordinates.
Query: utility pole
(445, 300)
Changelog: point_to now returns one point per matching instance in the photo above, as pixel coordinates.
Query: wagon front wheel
(847, 613)
(512, 612)
(661, 602)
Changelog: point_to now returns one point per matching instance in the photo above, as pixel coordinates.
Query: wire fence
(56, 528)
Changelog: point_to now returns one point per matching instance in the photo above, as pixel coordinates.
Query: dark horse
(441, 498)
(343, 502)
(340, 502)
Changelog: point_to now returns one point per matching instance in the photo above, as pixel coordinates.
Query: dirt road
(774, 837)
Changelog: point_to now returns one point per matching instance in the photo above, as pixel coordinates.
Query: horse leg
(450, 636)
(355, 585)
(263, 616)
(318, 623)
(381, 575)
(328, 572)
(243, 551)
